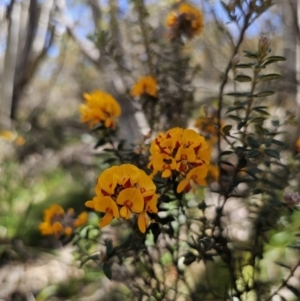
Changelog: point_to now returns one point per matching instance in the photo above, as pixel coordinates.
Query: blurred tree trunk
(29, 38)
(10, 62)
(132, 123)
(297, 39)
(289, 49)
(289, 94)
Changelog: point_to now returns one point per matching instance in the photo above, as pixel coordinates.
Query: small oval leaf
(264, 93)
(272, 153)
(250, 54)
(243, 78)
(237, 94)
(243, 66)
(226, 129)
(268, 77)
(253, 153)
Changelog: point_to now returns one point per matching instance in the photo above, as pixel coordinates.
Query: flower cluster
(100, 107)
(297, 146)
(145, 85)
(122, 190)
(57, 222)
(186, 20)
(182, 153)
(13, 137)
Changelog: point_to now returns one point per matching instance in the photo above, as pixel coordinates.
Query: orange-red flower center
(109, 210)
(128, 204)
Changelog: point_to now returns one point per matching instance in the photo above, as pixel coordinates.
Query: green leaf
(107, 270)
(101, 142)
(254, 143)
(226, 129)
(243, 78)
(282, 265)
(231, 109)
(294, 290)
(109, 247)
(272, 153)
(264, 94)
(250, 54)
(263, 112)
(268, 142)
(244, 66)
(268, 77)
(241, 124)
(253, 153)
(260, 107)
(237, 94)
(238, 119)
(226, 153)
(259, 129)
(275, 58)
(109, 161)
(278, 142)
(237, 103)
(121, 144)
(258, 119)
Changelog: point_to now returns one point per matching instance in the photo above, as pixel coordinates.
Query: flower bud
(235, 60)
(264, 45)
(292, 199)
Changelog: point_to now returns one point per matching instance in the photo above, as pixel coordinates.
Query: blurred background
(53, 51)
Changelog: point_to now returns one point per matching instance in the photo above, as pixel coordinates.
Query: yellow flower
(164, 163)
(143, 218)
(100, 107)
(195, 176)
(107, 205)
(213, 172)
(185, 20)
(7, 135)
(207, 125)
(81, 219)
(57, 222)
(19, 141)
(298, 145)
(180, 152)
(11, 136)
(122, 190)
(145, 85)
(131, 199)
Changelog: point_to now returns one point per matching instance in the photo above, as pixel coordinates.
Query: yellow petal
(143, 221)
(81, 219)
(185, 153)
(57, 228)
(182, 185)
(151, 205)
(166, 173)
(90, 204)
(132, 198)
(106, 220)
(125, 212)
(106, 204)
(68, 230)
(198, 173)
(45, 228)
(145, 183)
